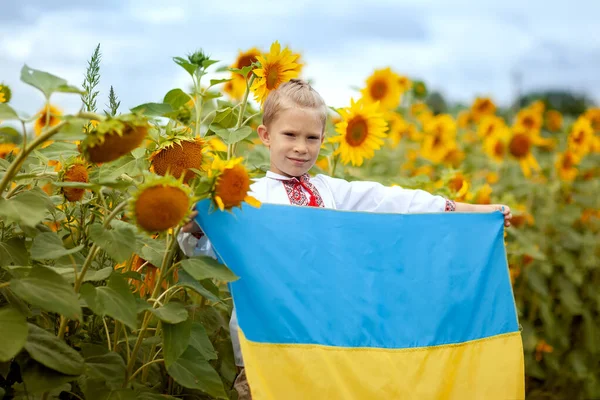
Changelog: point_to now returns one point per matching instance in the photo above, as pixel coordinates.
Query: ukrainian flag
(354, 305)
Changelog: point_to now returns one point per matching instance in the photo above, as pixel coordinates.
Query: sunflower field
(97, 300)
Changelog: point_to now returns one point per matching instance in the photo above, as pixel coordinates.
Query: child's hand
(192, 226)
(504, 210)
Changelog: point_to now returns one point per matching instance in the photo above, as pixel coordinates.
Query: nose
(300, 148)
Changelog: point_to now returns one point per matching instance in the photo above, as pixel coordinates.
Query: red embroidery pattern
(295, 193)
(450, 205)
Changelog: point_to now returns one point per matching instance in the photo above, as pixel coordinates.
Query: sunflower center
(483, 106)
(356, 132)
(519, 145)
(499, 149)
(568, 161)
(437, 139)
(272, 77)
(233, 186)
(456, 184)
(528, 122)
(378, 90)
(489, 130)
(161, 207)
(245, 61)
(579, 136)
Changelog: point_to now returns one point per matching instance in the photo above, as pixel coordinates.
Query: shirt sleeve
(192, 246)
(375, 197)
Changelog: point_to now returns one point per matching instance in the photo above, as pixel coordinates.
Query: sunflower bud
(419, 89)
(197, 58)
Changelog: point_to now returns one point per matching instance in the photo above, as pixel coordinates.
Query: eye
(314, 137)
(288, 134)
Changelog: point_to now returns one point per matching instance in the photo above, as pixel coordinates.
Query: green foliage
(92, 306)
(113, 103)
(91, 80)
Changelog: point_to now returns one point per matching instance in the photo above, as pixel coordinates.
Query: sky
(462, 49)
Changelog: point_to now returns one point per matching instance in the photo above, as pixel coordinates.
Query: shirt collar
(279, 177)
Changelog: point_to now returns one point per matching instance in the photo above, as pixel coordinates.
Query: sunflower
(7, 148)
(384, 86)
(465, 119)
(160, 204)
(177, 156)
(405, 83)
(5, 93)
(554, 121)
(588, 214)
(231, 185)
(458, 185)
(149, 273)
(426, 170)
(454, 157)
(566, 164)
(519, 147)
(276, 67)
(419, 89)
(521, 216)
(483, 195)
(492, 125)
(439, 138)
(360, 132)
(216, 144)
(581, 138)
(541, 348)
(399, 128)
(418, 108)
(115, 137)
(236, 87)
(75, 171)
(492, 177)
(482, 106)
(593, 114)
(48, 116)
(529, 120)
(496, 148)
(537, 106)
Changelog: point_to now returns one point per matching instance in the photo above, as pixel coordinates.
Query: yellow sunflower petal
(252, 201)
(219, 203)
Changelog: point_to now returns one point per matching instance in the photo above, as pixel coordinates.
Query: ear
(263, 134)
(323, 136)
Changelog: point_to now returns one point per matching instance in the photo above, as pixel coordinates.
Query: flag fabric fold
(354, 305)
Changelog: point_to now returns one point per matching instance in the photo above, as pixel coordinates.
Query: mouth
(297, 161)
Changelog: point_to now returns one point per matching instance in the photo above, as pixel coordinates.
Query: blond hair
(297, 92)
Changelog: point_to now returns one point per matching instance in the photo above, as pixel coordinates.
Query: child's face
(294, 139)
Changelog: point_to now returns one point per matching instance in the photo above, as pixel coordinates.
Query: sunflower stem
(86, 264)
(18, 161)
(335, 163)
(47, 122)
(24, 135)
(171, 247)
(16, 164)
(238, 125)
(197, 102)
(107, 334)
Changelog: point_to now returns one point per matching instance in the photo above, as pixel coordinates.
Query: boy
(293, 129)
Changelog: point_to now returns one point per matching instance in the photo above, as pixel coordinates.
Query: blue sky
(463, 49)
